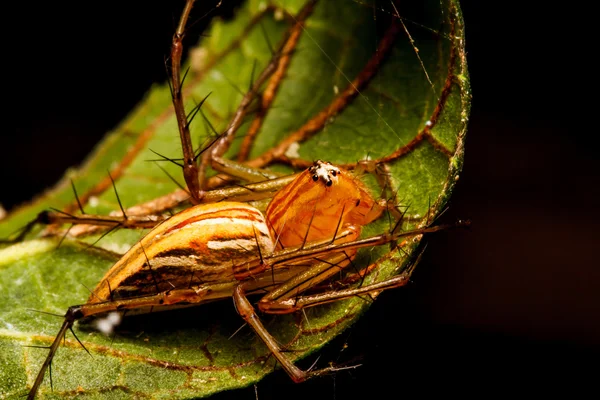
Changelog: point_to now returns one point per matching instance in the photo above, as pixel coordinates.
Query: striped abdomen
(204, 244)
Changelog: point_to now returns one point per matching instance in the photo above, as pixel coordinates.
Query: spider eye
(329, 183)
(315, 177)
(334, 172)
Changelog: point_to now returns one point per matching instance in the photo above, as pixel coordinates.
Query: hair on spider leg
(191, 279)
(91, 292)
(401, 250)
(237, 331)
(185, 74)
(233, 85)
(266, 38)
(93, 244)
(110, 291)
(408, 268)
(195, 110)
(306, 318)
(312, 217)
(260, 255)
(150, 268)
(354, 274)
(165, 158)
(398, 226)
(366, 297)
(211, 128)
(339, 224)
(271, 225)
(44, 312)
(172, 178)
(252, 72)
(117, 195)
(33, 346)
(358, 272)
(401, 217)
(77, 197)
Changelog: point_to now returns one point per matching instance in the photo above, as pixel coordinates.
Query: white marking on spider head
(107, 324)
(325, 172)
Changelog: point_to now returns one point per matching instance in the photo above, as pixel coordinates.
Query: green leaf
(416, 104)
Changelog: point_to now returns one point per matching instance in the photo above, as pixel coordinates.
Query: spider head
(324, 172)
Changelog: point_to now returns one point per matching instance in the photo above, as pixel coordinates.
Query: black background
(512, 303)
